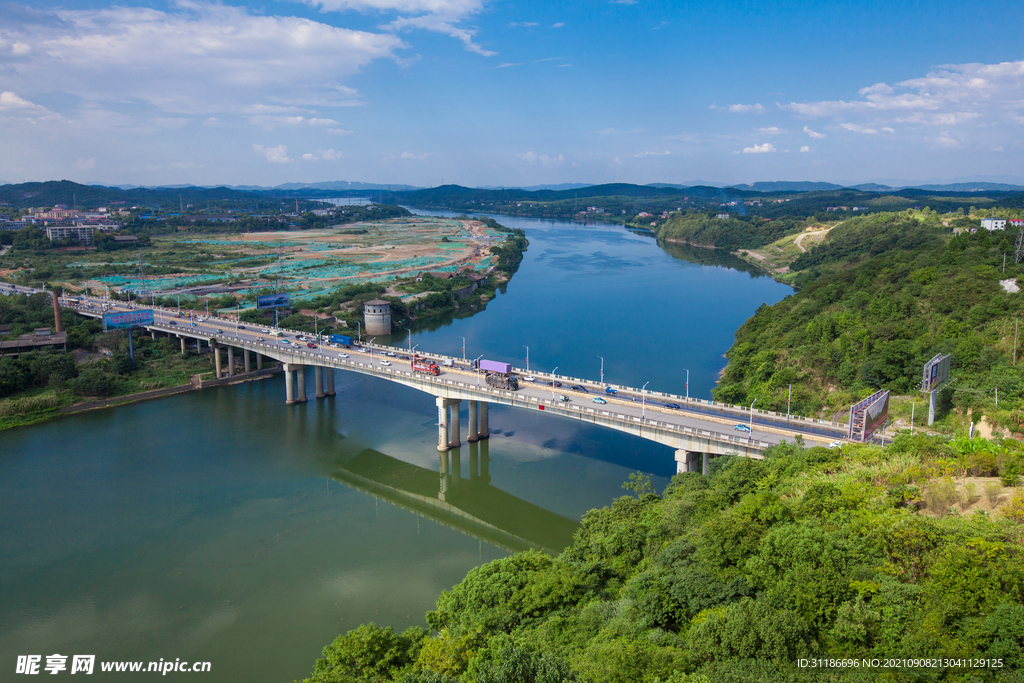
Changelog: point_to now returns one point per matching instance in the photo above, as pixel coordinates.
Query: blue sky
(485, 92)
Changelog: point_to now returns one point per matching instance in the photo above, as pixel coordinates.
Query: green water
(223, 526)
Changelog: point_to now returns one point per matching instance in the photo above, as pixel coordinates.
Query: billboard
(936, 371)
(140, 318)
(868, 415)
(272, 301)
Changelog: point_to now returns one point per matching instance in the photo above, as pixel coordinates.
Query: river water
(223, 526)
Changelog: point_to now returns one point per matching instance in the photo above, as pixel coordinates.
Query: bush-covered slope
(810, 554)
(880, 296)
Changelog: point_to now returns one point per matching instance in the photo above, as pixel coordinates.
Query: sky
(504, 93)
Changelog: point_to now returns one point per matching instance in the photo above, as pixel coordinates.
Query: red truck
(425, 365)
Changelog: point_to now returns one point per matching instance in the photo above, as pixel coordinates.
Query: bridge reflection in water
(467, 503)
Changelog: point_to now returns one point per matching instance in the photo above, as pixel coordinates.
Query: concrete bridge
(696, 429)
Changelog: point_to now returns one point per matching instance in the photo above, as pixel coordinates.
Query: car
(835, 444)
(672, 405)
(385, 362)
(529, 379)
(403, 358)
(390, 354)
(609, 390)
(192, 324)
(285, 341)
(260, 339)
(173, 322)
(311, 345)
(342, 355)
(598, 399)
(219, 331)
(241, 327)
(564, 399)
(741, 428)
(267, 331)
(580, 388)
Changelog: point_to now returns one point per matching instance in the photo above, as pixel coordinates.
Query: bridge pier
(329, 381)
(687, 461)
(152, 334)
(245, 355)
(474, 461)
(231, 361)
(289, 385)
(454, 439)
(300, 383)
(474, 434)
(444, 410)
(485, 429)
(704, 465)
(216, 359)
(182, 339)
(445, 477)
(456, 466)
(259, 361)
(318, 380)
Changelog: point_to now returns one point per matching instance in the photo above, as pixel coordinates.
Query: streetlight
(687, 384)
(528, 358)
(643, 401)
(463, 349)
(477, 364)
(410, 338)
(553, 383)
(751, 437)
(359, 331)
(371, 348)
(602, 369)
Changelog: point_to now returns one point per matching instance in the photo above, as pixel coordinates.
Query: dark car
(672, 405)
(241, 327)
(557, 384)
(577, 387)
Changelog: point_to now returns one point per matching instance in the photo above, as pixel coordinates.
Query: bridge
(696, 429)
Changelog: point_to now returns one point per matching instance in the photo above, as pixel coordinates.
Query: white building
(993, 223)
(82, 232)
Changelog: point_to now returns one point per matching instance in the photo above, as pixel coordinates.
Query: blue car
(672, 405)
(741, 428)
(598, 399)
(611, 391)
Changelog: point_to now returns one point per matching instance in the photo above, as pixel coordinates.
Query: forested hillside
(879, 297)
(749, 232)
(815, 554)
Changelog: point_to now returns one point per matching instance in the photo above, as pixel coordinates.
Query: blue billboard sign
(272, 301)
(141, 318)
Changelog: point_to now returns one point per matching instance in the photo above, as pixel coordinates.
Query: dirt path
(799, 241)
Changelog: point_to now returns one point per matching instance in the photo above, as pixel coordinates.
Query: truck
(499, 375)
(342, 339)
(426, 365)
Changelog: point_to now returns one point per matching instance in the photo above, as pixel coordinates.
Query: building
(57, 214)
(377, 317)
(993, 223)
(82, 232)
(722, 216)
(1017, 222)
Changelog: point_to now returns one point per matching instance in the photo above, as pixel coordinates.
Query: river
(223, 526)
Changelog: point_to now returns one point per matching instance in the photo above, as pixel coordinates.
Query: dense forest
(878, 298)
(748, 232)
(815, 554)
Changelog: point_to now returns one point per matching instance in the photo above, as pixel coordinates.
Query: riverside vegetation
(859, 552)
(877, 298)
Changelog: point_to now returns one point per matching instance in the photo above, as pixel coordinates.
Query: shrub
(1014, 510)
(992, 491)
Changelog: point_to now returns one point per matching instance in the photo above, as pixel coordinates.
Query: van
(448, 362)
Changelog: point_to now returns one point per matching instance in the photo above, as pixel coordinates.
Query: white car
(266, 331)
(342, 355)
(835, 444)
(529, 379)
(385, 362)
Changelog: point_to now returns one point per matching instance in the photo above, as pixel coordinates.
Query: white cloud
(439, 16)
(558, 25)
(856, 128)
(275, 155)
(946, 140)
(774, 130)
(508, 64)
(759, 149)
(813, 134)
(309, 157)
(339, 131)
(746, 108)
(805, 148)
(524, 24)
(887, 129)
(415, 157)
(653, 154)
(330, 155)
(14, 107)
(544, 159)
(85, 164)
(194, 58)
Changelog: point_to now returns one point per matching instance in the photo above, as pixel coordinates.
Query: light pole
(410, 338)
(643, 402)
(528, 359)
(789, 403)
(359, 331)
(413, 350)
(477, 364)
(602, 369)
(751, 432)
(371, 348)
(553, 383)
(687, 384)
(463, 349)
